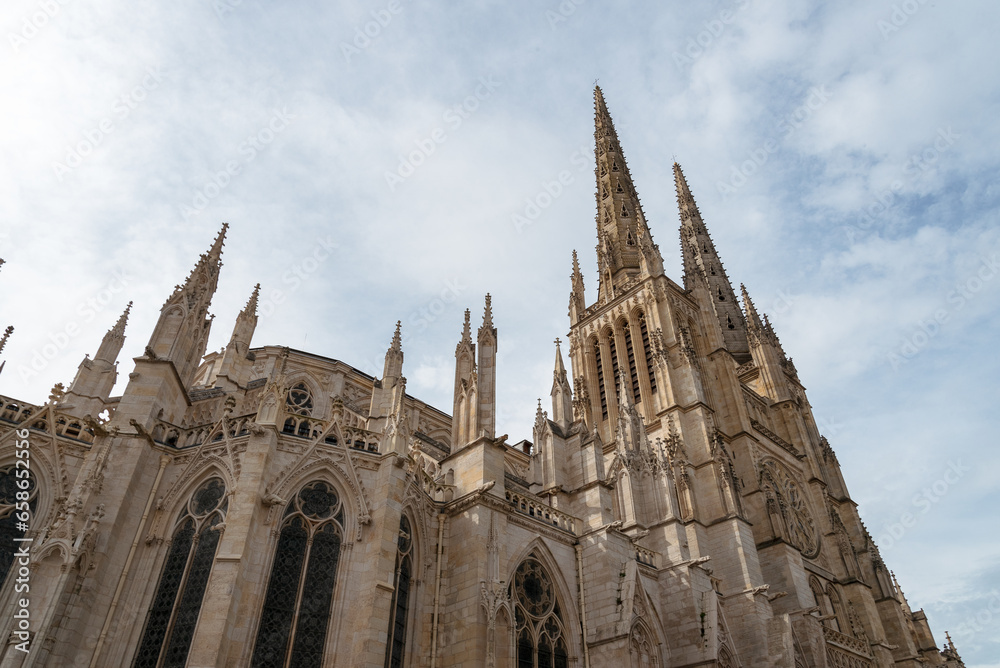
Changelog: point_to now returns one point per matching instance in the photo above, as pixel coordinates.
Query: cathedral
(262, 506)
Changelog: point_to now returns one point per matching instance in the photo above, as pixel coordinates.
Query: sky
(395, 160)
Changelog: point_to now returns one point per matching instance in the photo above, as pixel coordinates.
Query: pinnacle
(6, 335)
(467, 329)
(119, 328)
(488, 314)
(397, 340)
(215, 253)
(251, 306)
(560, 370)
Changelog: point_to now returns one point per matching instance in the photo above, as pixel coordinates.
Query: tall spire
(113, 341)
(625, 247)
(703, 269)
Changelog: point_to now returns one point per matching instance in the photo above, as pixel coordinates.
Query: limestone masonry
(263, 506)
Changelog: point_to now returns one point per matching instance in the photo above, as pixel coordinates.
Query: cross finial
(557, 342)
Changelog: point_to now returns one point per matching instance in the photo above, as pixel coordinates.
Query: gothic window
(600, 379)
(296, 613)
(722, 297)
(647, 350)
(629, 238)
(641, 648)
(788, 504)
(17, 486)
(614, 362)
(624, 211)
(619, 188)
(300, 400)
(631, 361)
(396, 645)
(614, 166)
(174, 612)
(540, 639)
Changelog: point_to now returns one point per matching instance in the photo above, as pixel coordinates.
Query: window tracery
(786, 498)
(300, 400)
(539, 632)
(17, 485)
(297, 605)
(641, 648)
(176, 605)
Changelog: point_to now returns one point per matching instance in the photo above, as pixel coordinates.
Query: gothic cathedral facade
(267, 507)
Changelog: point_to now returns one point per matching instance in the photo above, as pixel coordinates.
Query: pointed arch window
(641, 648)
(614, 363)
(630, 353)
(647, 351)
(624, 211)
(600, 378)
(174, 612)
(18, 493)
(540, 636)
(396, 646)
(296, 614)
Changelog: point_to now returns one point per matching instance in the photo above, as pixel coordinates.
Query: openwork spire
(625, 247)
(703, 269)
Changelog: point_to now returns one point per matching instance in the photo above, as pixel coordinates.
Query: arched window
(17, 485)
(539, 633)
(396, 645)
(296, 614)
(647, 351)
(600, 378)
(299, 400)
(641, 648)
(177, 603)
(614, 363)
(630, 353)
